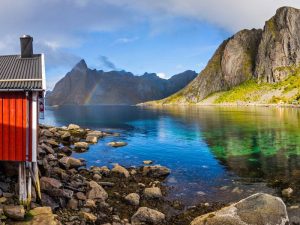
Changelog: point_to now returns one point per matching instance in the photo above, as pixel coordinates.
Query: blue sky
(161, 36)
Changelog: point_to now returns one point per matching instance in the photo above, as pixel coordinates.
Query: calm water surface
(215, 153)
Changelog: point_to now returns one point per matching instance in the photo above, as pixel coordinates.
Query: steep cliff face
(232, 64)
(279, 46)
(85, 86)
(269, 55)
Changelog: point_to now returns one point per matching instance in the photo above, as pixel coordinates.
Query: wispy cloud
(106, 63)
(126, 40)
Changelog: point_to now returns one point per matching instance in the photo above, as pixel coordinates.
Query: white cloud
(57, 25)
(162, 75)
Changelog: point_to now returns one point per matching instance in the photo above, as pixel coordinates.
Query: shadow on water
(211, 150)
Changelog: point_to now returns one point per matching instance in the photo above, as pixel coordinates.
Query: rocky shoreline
(107, 196)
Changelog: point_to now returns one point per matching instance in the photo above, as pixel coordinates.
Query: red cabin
(22, 83)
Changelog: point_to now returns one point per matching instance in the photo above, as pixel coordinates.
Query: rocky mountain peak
(81, 65)
(268, 55)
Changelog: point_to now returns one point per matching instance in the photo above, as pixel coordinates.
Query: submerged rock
(146, 215)
(117, 144)
(156, 171)
(258, 209)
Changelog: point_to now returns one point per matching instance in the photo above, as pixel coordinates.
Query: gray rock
(133, 199)
(146, 215)
(70, 162)
(96, 192)
(258, 209)
(153, 192)
(15, 212)
(81, 146)
(120, 170)
(91, 139)
(156, 171)
(48, 183)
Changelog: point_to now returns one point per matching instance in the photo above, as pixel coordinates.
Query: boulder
(73, 127)
(40, 216)
(95, 133)
(156, 171)
(96, 192)
(52, 142)
(146, 215)
(48, 183)
(15, 212)
(133, 199)
(153, 192)
(70, 162)
(66, 136)
(47, 133)
(81, 146)
(258, 209)
(91, 139)
(120, 170)
(47, 148)
(117, 144)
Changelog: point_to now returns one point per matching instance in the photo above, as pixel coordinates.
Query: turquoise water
(213, 152)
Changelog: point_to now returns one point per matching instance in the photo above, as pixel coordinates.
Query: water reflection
(253, 142)
(207, 148)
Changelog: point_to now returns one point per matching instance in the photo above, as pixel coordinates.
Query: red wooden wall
(13, 126)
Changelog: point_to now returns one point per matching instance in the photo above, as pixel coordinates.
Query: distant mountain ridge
(86, 86)
(253, 66)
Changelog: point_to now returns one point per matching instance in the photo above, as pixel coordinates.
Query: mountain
(252, 66)
(86, 86)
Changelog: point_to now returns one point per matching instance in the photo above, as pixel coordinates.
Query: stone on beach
(120, 170)
(73, 127)
(153, 192)
(91, 139)
(48, 183)
(259, 209)
(81, 146)
(15, 212)
(133, 199)
(70, 162)
(96, 192)
(146, 215)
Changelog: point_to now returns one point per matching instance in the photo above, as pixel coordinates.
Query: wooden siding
(14, 139)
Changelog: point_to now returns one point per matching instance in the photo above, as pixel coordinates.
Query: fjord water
(215, 153)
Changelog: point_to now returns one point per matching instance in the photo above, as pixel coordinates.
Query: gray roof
(22, 73)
